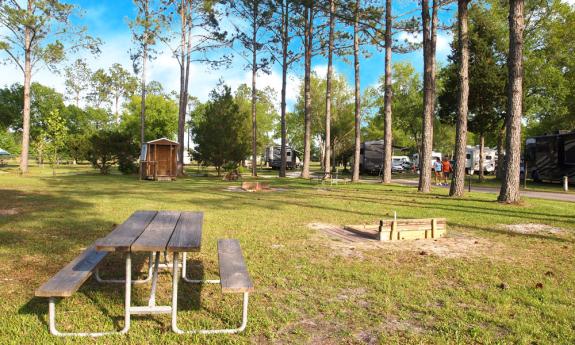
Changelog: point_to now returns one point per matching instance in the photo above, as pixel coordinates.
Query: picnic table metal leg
(175, 278)
(194, 281)
(128, 290)
(99, 279)
(152, 301)
(152, 308)
(127, 302)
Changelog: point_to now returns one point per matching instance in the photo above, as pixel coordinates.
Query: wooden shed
(159, 159)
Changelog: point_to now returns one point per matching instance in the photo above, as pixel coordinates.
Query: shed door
(163, 159)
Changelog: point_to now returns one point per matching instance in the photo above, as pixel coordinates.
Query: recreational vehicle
(551, 157)
(274, 160)
(371, 158)
(472, 160)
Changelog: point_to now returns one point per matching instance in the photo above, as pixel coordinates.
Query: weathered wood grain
(122, 237)
(72, 276)
(234, 275)
(187, 235)
(157, 234)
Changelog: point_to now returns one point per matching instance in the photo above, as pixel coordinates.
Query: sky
(107, 19)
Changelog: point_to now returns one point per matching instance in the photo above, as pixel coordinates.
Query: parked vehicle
(371, 158)
(472, 160)
(274, 160)
(551, 157)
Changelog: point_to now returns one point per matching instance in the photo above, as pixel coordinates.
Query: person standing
(446, 169)
(437, 167)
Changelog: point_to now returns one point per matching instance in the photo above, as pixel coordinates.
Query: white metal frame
(184, 266)
(122, 281)
(151, 308)
(127, 302)
(175, 327)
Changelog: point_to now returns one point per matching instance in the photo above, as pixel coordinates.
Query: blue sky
(107, 20)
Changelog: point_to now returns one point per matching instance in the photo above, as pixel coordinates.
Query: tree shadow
(515, 234)
(113, 293)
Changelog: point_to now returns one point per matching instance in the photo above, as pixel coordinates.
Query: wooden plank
(126, 233)
(156, 236)
(187, 235)
(73, 275)
(403, 227)
(425, 221)
(411, 235)
(234, 277)
(393, 229)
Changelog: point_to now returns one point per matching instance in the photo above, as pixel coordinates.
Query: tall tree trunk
(429, 41)
(254, 99)
(117, 99)
(308, 38)
(285, 42)
(186, 97)
(321, 153)
(27, 82)
(387, 134)
(143, 100)
(458, 182)
(509, 192)
(254, 91)
(500, 155)
(481, 156)
(355, 176)
(183, 99)
(327, 167)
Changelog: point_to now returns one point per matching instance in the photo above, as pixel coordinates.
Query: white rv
(472, 160)
(273, 158)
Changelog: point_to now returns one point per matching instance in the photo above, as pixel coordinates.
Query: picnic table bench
(151, 232)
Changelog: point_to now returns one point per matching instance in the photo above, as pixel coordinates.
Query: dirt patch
(320, 331)
(349, 244)
(351, 294)
(8, 212)
(391, 325)
(531, 228)
(238, 189)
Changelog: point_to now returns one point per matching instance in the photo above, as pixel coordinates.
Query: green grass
(309, 289)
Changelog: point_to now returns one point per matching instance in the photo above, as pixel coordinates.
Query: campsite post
(566, 183)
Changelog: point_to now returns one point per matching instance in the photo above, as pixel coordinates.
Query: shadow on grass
(102, 295)
(515, 234)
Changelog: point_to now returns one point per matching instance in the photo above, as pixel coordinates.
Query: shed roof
(163, 141)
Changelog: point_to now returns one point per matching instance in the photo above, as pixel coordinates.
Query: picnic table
(152, 232)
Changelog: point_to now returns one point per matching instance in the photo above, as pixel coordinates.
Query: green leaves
(220, 130)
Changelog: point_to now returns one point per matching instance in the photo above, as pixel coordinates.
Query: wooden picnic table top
(156, 231)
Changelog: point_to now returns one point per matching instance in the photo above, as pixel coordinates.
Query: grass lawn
(481, 284)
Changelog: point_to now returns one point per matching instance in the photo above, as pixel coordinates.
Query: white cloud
(164, 69)
(443, 40)
(443, 43)
(320, 70)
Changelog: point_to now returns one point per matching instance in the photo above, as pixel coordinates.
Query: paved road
(569, 197)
